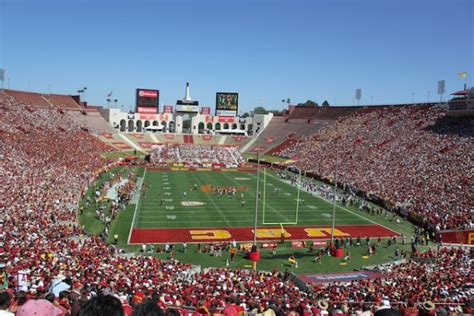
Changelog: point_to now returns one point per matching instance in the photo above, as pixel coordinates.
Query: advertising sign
(145, 116)
(206, 110)
(187, 108)
(147, 110)
(226, 119)
(168, 109)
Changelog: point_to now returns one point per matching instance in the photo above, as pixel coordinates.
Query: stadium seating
(92, 120)
(47, 160)
(280, 128)
(402, 155)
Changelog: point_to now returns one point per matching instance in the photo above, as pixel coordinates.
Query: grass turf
(162, 207)
(122, 224)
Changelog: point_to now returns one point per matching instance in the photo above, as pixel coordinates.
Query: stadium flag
(2, 74)
(110, 94)
(463, 74)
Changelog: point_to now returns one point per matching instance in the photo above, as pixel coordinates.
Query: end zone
(244, 234)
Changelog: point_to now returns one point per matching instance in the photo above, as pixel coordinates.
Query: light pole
(257, 188)
(335, 194)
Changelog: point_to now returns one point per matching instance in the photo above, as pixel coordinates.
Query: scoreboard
(227, 103)
(147, 100)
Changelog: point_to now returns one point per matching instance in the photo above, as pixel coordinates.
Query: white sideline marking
(136, 207)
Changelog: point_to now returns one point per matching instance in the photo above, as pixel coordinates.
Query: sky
(395, 51)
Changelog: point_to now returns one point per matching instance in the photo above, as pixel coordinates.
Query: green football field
(146, 221)
(176, 199)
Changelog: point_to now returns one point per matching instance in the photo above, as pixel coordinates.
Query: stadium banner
(226, 119)
(462, 237)
(227, 103)
(141, 109)
(269, 245)
(187, 108)
(319, 243)
(226, 113)
(167, 109)
(145, 116)
(206, 110)
(147, 98)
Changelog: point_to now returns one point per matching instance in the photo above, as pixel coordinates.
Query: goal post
(266, 221)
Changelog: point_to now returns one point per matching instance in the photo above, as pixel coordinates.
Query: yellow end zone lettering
(324, 232)
(210, 234)
(270, 233)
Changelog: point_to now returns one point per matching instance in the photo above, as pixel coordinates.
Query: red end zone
(179, 235)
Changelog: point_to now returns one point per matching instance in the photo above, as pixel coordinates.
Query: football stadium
(202, 179)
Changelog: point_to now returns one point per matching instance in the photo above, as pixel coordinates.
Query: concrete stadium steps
(115, 141)
(30, 98)
(92, 120)
(144, 141)
(285, 144)
(206, 139)
(62, 101)
(237, 140)
(281, 128)
(168, 138)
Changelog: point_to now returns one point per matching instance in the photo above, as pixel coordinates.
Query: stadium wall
(458, 237)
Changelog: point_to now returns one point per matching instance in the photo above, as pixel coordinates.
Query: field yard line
(212, 201)
(139, 192)
(342, 207)
(286, 218)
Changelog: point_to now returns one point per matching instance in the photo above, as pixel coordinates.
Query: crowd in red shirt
(47, 160)
(415, 157)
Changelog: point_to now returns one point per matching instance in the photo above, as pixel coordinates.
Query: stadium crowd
(46, 161)
(414, 157)
(197, 155)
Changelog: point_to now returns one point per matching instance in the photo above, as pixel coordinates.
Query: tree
(325, 103)
(260, 110)
(308, 103)
(246, 114)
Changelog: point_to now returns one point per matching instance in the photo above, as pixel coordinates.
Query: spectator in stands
(102, 305)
